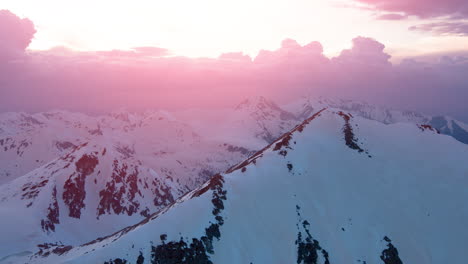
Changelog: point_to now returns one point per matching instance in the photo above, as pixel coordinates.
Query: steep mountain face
(338, 188)
(444, 124)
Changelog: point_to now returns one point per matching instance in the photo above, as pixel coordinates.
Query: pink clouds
(422, 8)
(139, 52)
(15, 34)
(443, 28)
(292, 52)
(365, 51)
(235, 56)
(453, 14)
(392, 16)
(152, 51)
(146, 78)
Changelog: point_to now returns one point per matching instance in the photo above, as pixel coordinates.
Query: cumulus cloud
(292, 52)
(365, 51)
(15, 34)
(422, 8)
(443, 28)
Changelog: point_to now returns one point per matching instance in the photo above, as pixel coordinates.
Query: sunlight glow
(205, 27)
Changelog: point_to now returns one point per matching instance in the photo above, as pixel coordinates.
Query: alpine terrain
(337, 188)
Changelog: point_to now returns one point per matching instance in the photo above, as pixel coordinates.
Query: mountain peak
(258, 102)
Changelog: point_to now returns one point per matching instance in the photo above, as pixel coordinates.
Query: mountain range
(351, 183)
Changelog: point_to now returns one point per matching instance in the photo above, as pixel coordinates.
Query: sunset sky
(211, 27)
(99, 55)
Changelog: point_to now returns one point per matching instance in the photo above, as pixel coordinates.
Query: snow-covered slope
(108, 172)
(336, 189)
(445, 124)
(30, 141)
(251, 124)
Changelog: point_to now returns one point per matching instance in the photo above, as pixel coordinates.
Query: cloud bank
(150, 78)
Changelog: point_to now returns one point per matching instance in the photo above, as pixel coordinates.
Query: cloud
(392, 16)
(452, 14)
(235, 56)
(365, 51)
(15, 34)
(292, 52)
(443, 28)
(138, 52)
(146, 78)
(152, 51)
(456, 9)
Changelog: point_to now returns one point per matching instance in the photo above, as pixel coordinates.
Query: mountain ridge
(314, 241)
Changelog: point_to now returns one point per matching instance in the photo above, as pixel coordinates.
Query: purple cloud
(15, 34)
(422, 8)
(443, 28)
(392, 16)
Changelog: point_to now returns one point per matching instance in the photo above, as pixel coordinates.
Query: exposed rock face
(74, 192)
(119, 194)
(390, 254)
(308, 249)
(53, 214)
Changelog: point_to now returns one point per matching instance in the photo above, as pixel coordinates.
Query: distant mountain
(449, 126)
(30, 141)
(338, 188)
(251, 124)
(271, 120)
(446, 125)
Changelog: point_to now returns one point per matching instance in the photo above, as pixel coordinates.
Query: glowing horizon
(209, 28)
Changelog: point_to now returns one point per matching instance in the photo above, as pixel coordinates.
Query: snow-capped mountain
(30, 141)
(271, 120)
(445, 124)
(251, 124)
(338, 188)
(117, 168)
(449, 126)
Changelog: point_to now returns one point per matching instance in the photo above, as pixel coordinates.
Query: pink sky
(102, 55)
(211, 27)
